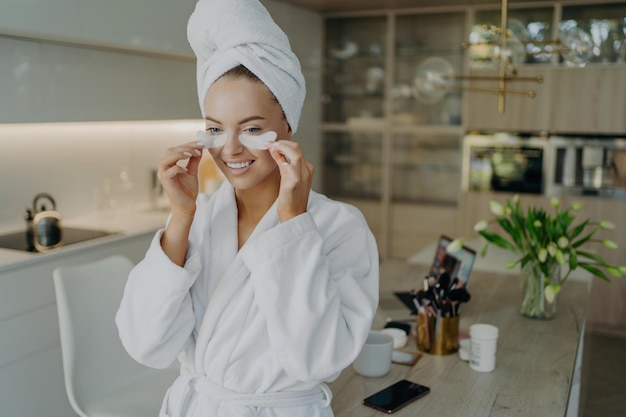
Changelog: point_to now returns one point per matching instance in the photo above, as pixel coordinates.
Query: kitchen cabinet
(385, 144)
(601, 92)
(31, 370)
(61, 82)
(589, 99)
(154, 26)
(522, 113)
(394, 156)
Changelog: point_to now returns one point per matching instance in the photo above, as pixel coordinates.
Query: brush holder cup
(438, 336)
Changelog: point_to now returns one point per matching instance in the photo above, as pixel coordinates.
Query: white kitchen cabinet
(156, 26)
(44, 82)
(31, 372)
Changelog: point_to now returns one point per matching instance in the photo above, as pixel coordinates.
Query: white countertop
(137, 222)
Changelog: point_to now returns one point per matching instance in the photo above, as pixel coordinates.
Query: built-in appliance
(591, 166)
(20, 240)
(504, 162)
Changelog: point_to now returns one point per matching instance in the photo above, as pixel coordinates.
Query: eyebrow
(246, 120)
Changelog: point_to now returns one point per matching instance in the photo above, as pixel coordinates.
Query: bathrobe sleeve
(316, 283)
(155, 319)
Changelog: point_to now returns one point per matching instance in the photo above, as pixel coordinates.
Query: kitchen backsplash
(77, 162)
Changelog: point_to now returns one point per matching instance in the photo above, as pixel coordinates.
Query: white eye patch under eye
(249, 141)
(257, 142)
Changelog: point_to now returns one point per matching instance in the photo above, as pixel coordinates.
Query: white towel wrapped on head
(226, 33)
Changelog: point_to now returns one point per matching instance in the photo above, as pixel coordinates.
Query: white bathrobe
(258, 330)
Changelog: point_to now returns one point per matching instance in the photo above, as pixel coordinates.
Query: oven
(504, 162)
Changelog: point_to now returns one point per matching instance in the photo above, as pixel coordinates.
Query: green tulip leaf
(593, 256)
(578, 230)
(595, 271)
(582, 241)
(573, 259)
(497, 240)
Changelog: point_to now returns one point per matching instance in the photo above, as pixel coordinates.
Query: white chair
(101, 379)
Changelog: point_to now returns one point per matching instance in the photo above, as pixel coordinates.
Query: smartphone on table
(396, 396)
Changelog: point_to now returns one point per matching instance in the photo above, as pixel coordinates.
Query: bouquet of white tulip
(546, 243)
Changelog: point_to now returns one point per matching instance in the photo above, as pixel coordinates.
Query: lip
(238, 171)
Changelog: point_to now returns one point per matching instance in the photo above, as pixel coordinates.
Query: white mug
(484, 341)
(375, 357)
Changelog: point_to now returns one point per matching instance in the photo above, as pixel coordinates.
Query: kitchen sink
(18, 240)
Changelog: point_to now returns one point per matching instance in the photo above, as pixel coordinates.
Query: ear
(288, 135)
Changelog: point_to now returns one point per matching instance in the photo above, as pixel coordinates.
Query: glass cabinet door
(419, 37)
(532, 27)
(426, 168)
(354, 70)
(352, 165)
(606, 24)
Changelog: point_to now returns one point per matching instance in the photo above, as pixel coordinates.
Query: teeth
(238, 165)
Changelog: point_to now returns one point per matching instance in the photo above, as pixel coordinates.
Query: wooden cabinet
(522, 113)
(582, 100)
(31, 368)
(588, 100)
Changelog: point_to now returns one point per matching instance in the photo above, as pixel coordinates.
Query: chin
(255, 182)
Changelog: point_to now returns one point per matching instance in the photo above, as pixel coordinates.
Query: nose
(232, 146)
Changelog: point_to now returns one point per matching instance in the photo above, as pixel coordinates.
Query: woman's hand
(181, 186)
(181, 183)
(296, 176)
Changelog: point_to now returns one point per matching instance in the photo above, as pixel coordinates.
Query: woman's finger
(181, 152)
(284, 151)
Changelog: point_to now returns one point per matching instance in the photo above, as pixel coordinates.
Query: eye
(213, 130)
(252, 130)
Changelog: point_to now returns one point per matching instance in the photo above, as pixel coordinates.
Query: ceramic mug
(375, 357)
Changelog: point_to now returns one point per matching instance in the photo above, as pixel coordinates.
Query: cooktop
(18, 241)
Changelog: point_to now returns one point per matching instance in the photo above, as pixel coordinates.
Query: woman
(264, 290)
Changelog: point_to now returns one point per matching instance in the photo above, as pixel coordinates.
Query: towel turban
(227, 33)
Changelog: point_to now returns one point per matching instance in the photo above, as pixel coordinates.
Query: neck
(252, 204)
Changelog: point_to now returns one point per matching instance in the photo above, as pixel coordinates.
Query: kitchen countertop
(137, 222)
(536, 361)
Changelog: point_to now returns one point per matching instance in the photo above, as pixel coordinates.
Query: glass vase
(534, 302)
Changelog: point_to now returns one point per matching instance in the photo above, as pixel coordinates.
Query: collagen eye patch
(249, 141)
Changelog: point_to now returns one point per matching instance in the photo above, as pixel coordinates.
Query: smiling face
(236, 105)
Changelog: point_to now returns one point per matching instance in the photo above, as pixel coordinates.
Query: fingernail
(197, 151)
(200, 144)
(187, 153)
(183, 168)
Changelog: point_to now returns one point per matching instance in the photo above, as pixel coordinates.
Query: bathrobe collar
(225, 262)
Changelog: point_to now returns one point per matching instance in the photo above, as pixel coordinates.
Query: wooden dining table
(535, 359)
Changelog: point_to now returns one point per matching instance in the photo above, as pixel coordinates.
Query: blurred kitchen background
(92, 93)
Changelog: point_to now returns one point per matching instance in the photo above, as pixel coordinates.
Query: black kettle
(43, 224)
